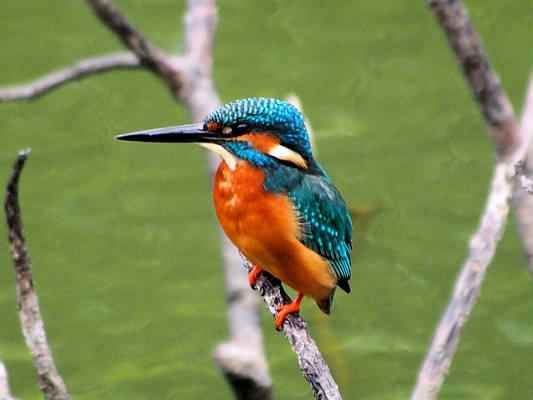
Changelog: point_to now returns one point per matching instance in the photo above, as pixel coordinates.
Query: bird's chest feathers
(235, 190)
(251, 217)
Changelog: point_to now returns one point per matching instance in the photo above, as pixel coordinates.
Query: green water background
(123, 237)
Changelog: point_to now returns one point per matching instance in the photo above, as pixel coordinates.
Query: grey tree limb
(311, 362)
(5, 392)
(79, 70)
(511, 142)
(50, 382)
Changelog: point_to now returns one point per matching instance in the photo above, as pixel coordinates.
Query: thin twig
(5, 392)
(311, 362)
(511, 145)
(50, 382)
(77, 71)
(483, 80)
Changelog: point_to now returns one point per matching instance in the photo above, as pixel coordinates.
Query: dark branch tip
(24, 154)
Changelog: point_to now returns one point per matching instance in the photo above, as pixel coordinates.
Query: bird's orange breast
(264, 227)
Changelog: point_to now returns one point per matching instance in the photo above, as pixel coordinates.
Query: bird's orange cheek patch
(263, 142)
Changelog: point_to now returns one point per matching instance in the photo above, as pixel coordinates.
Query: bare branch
(50, 382)
(5, 392)
(511, 144)
(466, 291)
(311, 362)
(77, 71)
(484, 82)
(152, 57)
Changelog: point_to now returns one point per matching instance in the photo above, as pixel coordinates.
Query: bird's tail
(326, 304)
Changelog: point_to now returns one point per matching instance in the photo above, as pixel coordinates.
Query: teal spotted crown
(266, 115)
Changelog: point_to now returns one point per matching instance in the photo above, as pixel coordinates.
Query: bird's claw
(286, 309)
(253, 275)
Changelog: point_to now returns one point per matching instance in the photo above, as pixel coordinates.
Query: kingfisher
(272, 198)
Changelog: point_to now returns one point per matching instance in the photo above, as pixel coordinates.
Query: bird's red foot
(287, 309)
(253, 275)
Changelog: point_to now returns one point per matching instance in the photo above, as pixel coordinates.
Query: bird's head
(248, 129)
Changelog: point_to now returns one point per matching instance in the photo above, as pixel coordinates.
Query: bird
(273, 199)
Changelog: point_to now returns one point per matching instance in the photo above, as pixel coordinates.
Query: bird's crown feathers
(268, 115)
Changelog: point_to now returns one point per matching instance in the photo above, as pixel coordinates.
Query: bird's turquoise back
(325, 221)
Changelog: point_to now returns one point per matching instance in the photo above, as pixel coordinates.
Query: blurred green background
(123, 236)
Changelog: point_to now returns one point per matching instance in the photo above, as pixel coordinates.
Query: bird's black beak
(193, 133)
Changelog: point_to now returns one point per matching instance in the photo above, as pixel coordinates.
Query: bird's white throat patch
(228, 158)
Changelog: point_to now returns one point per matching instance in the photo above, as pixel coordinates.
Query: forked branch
(511, 143)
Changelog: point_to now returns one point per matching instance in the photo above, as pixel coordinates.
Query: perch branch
(311, 362)
(77, 71)
(5, 392)
(50, 382)
(511, 144)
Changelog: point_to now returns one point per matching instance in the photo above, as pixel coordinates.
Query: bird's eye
(227, 130)
(241, 128)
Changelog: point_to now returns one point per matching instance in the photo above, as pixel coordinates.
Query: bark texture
(50, 382)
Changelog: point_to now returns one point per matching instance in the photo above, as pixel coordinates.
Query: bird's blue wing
(326, 223)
